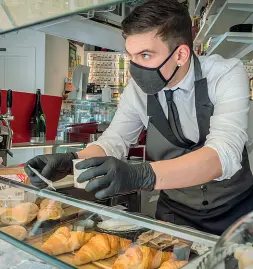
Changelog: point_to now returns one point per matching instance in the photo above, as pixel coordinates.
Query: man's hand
(53, 167)
(115, 176)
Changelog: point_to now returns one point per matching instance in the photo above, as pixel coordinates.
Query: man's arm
(222, 154)
(123, 131)
(90, 152)
(193, 169)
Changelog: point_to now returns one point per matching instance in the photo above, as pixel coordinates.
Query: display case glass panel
(66, 232)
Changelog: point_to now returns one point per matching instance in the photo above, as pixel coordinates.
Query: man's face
(149, 50)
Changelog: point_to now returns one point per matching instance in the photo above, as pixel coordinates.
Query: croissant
(142, 257)
(173, 264)
(101, 246)
(64, 241)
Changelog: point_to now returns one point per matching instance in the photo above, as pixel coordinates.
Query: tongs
(47, 181)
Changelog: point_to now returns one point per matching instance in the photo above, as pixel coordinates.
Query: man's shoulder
(215, 66)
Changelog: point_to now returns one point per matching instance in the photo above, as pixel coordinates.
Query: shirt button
(205, 203)
(203, 188)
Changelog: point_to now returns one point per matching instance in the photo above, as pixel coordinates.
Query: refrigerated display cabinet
(51, 228)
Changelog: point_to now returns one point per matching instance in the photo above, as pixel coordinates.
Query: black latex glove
(115, 176)
(53, 167)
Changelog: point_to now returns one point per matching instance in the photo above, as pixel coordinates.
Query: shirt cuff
(228, 159)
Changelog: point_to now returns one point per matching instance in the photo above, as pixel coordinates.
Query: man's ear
(183, 55)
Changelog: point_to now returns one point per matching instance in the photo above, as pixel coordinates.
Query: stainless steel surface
(47, 144)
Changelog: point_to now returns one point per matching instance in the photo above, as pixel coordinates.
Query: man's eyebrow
(141, 52)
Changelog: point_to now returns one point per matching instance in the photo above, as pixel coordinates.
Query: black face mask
(151, 80)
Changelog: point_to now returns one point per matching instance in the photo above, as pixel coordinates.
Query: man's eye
(145, 56)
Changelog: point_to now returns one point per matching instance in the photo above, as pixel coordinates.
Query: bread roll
(47, 203)
(15, 231)
(2, 210)
(21, 214)
(50, 210)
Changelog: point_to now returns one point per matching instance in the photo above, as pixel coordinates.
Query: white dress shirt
(228, 89)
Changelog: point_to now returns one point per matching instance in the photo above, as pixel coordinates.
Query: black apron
(211, 207)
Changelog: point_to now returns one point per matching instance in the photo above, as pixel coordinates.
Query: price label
(10, 193)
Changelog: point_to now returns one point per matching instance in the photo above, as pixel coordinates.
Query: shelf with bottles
(199, 5)
(216, 23)
(108, 72)
(111, 81)
(211, 10)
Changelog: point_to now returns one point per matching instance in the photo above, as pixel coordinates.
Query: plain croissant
(101, 246)
(173, 264)
(64, 241)
(142, 257)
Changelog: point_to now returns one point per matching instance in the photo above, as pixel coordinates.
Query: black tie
(173, 117)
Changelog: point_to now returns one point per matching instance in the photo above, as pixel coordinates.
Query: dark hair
(169, 17)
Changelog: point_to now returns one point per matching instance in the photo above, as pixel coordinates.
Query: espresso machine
(6, 133)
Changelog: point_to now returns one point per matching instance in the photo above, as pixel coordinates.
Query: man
(195, 110)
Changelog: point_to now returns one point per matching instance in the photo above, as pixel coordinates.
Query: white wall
(57, 57)
(250, 133)
(56, 64)
(29, 38)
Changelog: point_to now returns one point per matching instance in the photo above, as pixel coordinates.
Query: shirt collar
(187, 83)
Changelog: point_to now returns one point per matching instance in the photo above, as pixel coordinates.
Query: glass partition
(16, 14)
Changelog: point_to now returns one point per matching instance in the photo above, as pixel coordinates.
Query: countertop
(47, 144)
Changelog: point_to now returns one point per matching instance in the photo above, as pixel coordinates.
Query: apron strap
(160, 122)
(203, 104)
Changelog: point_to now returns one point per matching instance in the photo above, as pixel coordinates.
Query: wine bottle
(38, 122)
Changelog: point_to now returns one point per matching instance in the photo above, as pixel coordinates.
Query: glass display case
(234, 250)
(64, 232)
(85, 111)
(78, 112)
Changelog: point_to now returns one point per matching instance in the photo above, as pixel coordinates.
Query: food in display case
(142, 257)
(244, 255)
(65, 241)
(90, 239)
(21, 214)
(100, 247)
(16, 231)
(173, 264)
(50, 209)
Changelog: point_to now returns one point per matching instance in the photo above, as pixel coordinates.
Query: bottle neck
(38, 98)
